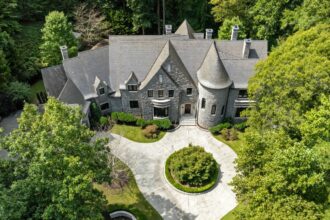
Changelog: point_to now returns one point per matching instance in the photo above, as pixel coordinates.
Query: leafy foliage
(53, 159)
(56, 32)
(123, 117)
(218, 128)
(283, 165)
(224, 32)
(192, 166)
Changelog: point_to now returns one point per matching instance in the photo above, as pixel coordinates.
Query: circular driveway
(147, 163)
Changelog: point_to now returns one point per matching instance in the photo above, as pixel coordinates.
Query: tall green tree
(56, 32)
(283, 166)
(52, 166)
(225, 29)
(143, 14)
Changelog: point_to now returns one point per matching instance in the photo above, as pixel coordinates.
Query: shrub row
(128, 118)
(227, 125)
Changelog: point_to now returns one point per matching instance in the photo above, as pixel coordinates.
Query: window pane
(134, 104)
(213, 109)
(132, 87)
(170, 93)
(104, 106)
(189, 91)
(160, 93)
(160, 112)
(242, 94)
(203, 103)
(101, 91)
(150, 93)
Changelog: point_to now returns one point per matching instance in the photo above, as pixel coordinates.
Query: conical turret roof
(185, 29)
(212, 73)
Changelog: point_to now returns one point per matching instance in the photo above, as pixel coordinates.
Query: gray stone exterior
(213, 97)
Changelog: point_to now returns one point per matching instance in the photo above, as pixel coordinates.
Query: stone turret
(213, 87)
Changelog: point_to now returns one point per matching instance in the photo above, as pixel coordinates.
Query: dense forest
(284, 170)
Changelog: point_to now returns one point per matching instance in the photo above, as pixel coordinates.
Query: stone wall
(212, 97)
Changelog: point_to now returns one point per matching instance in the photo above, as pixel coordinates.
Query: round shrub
(151, 131)
(191, 169)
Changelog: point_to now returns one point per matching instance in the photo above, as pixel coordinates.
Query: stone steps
(187, 121)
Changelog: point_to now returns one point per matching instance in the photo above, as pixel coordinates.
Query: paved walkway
(147, 162)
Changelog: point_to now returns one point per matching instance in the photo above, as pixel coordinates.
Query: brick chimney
(208, 33)
(234, 32)
(64, 52)
(168, 29)
(246, 48)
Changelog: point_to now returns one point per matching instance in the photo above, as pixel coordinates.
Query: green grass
(128, 198)
(134, 133)
(235, 145)
(188, 189)
(37, 87)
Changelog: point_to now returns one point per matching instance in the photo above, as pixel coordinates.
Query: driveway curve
(147, 162)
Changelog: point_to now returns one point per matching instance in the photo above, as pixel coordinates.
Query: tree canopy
(283, 167)
(51, 167)
(56, 32)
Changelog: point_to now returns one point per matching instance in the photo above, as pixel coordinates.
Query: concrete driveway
(147, 162)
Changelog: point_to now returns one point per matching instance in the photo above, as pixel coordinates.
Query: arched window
(203, 103)
(214, 108)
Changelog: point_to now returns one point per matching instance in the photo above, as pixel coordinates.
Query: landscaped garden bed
(192, 170)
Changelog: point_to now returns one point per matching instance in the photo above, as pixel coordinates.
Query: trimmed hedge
(187, 152)
(240, 126)
(123, 117)
(128, 118)
(218, 128)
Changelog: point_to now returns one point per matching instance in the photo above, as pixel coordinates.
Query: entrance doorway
(187, 109)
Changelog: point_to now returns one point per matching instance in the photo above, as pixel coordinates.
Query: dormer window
(101, 91)
(132, 87)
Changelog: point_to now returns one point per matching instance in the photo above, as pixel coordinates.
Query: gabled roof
(185, 29)
(212, 74)
(71, 94)
(54, 79)
(168, 52)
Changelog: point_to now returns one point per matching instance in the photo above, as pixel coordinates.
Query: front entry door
(187, 108)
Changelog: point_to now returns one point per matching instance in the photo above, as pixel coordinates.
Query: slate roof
(54, 79)
(186, 30)
(212, 74)
(71, 94)
(144, 55)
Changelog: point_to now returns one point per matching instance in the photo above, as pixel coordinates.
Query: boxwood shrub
(123, 117)
(191, 169)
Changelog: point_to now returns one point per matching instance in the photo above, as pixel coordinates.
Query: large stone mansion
(175, 75)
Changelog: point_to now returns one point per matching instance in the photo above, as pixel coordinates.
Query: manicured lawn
(128, 198)
(235, 145)
(134, 133)
(37, 87)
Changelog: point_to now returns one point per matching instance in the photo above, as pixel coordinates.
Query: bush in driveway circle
(191, 169)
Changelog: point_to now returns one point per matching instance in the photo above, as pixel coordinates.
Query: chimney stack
(234, 32)
(208, 33)
(168, 29)
(64, 52)
(246, 48)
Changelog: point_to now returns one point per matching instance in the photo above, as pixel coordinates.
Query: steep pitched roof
(212, 74)
(54, 79)
(71, 94)
(185, 29)
(84, 69)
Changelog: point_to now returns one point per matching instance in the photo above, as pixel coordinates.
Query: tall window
(133, 104)
(104, 106)
(132, 87)
(160, 78)
(170, 93)
(214, 108)
(203, 103)
(222, 110)
(150, 93)
(189, 91)
(101, 91)
(242, 94)
(160, 93)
